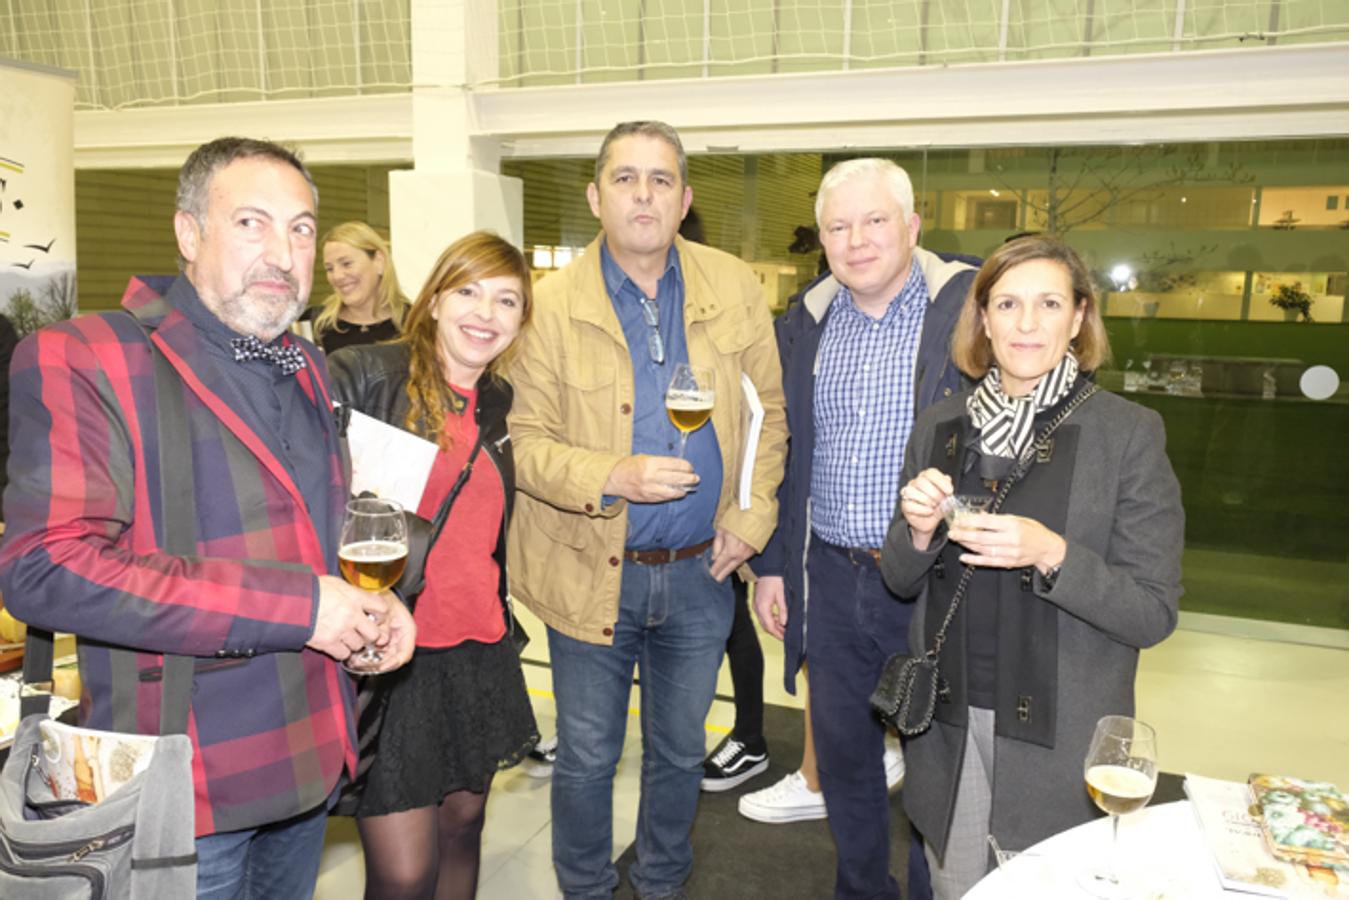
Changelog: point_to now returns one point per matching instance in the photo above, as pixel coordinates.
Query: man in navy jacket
(865, 349)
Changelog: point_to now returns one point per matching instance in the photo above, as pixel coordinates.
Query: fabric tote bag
(135, 844)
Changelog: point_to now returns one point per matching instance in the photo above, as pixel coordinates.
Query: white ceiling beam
(1259, 92)
(1265, 93)
(1025, 131)
(370, 129)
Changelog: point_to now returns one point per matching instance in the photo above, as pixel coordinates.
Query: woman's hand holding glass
(920, 501)
(399, 639)
(993, 541)
(1008, 542)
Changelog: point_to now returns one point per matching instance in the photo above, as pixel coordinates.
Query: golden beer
(373, 565)
(688, 411)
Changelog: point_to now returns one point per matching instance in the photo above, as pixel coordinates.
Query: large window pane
(1190, 244)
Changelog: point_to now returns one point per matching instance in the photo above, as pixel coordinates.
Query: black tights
(429, 853)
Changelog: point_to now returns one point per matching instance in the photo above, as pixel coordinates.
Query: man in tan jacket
(621, 543)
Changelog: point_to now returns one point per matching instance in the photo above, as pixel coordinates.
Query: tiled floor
(1223, 706)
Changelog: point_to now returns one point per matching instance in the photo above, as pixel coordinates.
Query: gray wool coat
(1066, 654)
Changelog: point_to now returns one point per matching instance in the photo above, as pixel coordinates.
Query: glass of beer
(689, 400)
(372, 554)
(1121, 773)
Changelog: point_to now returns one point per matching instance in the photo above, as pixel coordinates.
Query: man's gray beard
(265, 321)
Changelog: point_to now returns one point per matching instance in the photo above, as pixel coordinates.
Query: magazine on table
(1233, 837)
(1240, 855)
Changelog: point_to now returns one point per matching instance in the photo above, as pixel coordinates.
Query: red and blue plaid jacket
(271, 721)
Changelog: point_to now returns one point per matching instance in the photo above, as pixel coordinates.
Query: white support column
(456, 185)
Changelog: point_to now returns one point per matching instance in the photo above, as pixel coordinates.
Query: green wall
(124, 223)
(1326, 345)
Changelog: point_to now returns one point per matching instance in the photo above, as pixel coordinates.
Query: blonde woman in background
(366, 305)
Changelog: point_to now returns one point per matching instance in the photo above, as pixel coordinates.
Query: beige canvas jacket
(572, 422)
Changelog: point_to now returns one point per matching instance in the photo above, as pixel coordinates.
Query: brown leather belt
(858, 556)
(661, 557)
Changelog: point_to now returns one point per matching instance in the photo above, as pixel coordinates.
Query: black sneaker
(733, 763)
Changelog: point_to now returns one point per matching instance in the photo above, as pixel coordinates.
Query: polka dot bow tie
(288, 359)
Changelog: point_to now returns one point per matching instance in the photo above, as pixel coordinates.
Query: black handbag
(906, 694)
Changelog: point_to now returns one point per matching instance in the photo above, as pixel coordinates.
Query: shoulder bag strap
(179, 514)
(36, 690)
(443, 514)
(422, 536)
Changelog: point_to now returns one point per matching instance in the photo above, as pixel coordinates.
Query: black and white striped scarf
(1006, 423)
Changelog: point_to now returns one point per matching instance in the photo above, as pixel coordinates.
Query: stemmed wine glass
(689, 400)
(1121, 774)
(373, 551)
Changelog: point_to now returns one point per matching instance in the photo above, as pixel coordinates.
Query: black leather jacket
(372, 379)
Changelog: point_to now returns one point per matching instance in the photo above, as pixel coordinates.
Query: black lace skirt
(455, 717)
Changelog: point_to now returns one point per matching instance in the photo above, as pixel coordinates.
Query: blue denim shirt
(689, 520)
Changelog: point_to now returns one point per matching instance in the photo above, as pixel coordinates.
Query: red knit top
(461, 602)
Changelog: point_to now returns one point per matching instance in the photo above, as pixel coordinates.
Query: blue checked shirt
(864, 414)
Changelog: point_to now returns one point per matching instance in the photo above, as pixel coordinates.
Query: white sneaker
(894, 762)
(539, 762)
(787, 801)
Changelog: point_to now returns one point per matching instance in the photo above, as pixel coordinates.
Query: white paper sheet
(387, 461)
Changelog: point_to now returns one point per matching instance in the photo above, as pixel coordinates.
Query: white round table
(1160, 848)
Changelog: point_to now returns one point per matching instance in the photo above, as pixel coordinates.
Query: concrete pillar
(455, 186)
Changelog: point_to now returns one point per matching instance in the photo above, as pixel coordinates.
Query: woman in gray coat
(1078, 570)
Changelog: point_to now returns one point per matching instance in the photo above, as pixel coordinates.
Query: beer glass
(689, 400)
(1121, 773)
(372, 553)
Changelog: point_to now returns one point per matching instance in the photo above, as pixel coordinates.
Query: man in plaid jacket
(271, 720)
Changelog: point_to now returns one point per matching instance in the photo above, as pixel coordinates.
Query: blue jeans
(854, 623)
(273, 862)
(673, 621)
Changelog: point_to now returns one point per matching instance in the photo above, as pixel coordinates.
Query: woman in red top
(458, 712)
